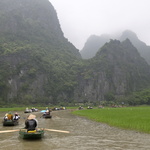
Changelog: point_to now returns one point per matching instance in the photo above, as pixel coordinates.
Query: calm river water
(84, 135)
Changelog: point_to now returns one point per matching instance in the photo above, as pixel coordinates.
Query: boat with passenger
(34, 134)
(28, 110)
(10, 120)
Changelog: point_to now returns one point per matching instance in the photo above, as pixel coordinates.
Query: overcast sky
(81, 18)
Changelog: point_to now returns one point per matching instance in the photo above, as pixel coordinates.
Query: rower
(31, 123)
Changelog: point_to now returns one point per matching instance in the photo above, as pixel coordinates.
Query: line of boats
(30, 110)
(23, 133)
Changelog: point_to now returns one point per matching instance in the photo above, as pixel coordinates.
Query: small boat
(43, 111)
(35, 134)
(47, 116)
(89, 107)
(28, 111)
(34, 110)
(10, 122)
(80, 108)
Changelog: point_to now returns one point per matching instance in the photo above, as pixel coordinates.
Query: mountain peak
(128, 34)
(93, 44)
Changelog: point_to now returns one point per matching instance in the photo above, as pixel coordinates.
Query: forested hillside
(35, 57)
(39, 66)
(143, 49)
(116, 71)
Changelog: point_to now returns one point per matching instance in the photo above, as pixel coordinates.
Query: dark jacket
(30, 124)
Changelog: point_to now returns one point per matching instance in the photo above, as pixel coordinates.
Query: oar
(7, 131)
(57, 130)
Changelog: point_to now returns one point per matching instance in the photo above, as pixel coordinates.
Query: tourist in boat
(47, 113)
(31, 123)
(5, 117)
(89, 107)
(16, 116)
(80, 107)
(9, 116)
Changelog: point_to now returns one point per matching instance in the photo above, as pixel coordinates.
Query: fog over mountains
(38, 65)
(94, 43)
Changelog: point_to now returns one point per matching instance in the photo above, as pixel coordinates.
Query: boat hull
(26, 135)
(27, 111)
(10, 122)
(47, 116)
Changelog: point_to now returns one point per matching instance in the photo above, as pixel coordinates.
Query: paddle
(7, 131)
(57, 130)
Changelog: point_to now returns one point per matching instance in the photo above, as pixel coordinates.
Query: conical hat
(31, 116)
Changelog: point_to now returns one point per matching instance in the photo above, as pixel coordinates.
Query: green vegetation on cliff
(38, 65)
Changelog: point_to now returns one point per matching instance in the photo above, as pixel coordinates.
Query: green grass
(134, 118)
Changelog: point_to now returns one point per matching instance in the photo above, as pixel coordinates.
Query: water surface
(84, 135)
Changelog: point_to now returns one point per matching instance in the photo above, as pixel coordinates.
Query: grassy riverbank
(134, 118)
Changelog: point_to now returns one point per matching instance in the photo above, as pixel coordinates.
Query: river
(84, 135)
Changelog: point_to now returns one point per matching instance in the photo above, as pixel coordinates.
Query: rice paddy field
(132, 118)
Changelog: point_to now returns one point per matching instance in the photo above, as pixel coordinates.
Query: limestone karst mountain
(143, 49)
(38, 65)
(117, 68)
(35, 57)
(94, 43)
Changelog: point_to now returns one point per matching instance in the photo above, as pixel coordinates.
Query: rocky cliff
(142, 48)
(117, 68)
(39, 66)
(34, 54)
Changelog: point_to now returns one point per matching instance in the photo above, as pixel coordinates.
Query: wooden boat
(47, 116)
(35, 134)
(10, 122)
(34, 110)
(28, 111)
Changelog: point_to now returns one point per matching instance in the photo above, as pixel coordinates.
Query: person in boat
(89, 107)
(80, 107)
(33, 109)
(31, 123)
(16, 116)
(9, 116)
(47, 113)
(5, 117)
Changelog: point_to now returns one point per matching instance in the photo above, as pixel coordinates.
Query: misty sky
(81, 18)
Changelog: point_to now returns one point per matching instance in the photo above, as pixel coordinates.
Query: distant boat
(34, 110)
(35, 134)
(43, 111)
(28, 111)
(47, 116)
